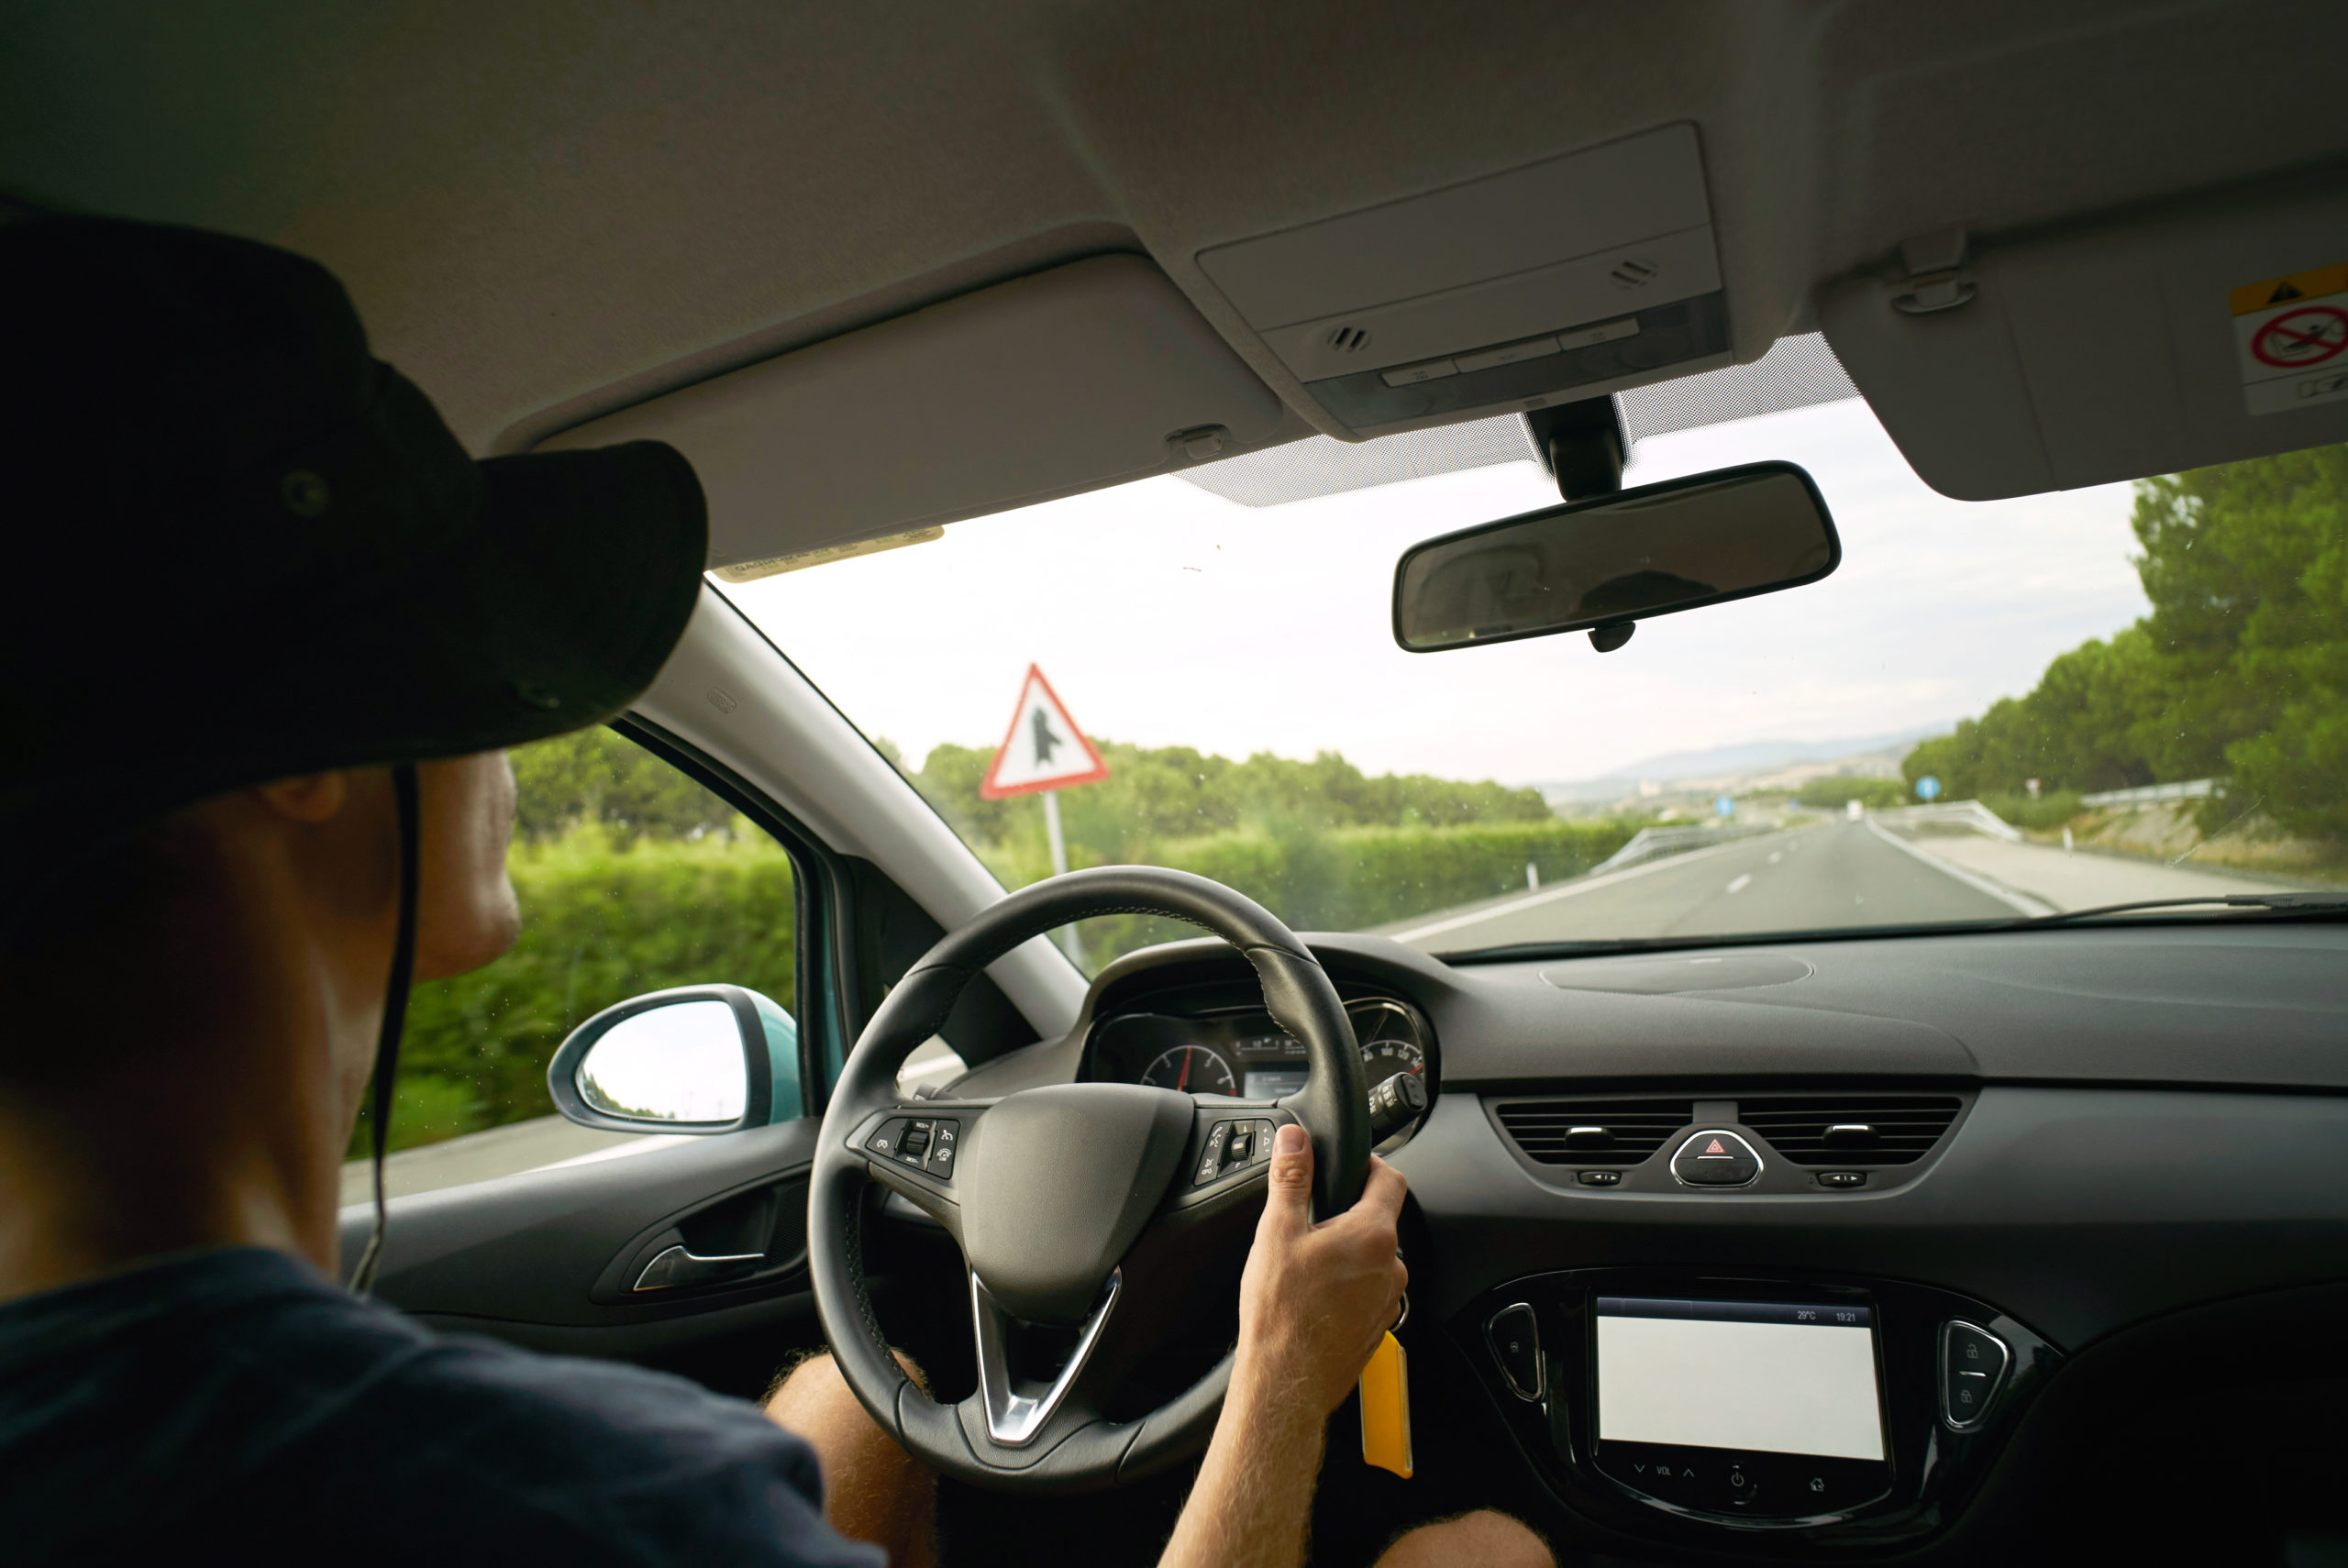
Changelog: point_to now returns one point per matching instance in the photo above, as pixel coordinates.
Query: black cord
(387, 1044)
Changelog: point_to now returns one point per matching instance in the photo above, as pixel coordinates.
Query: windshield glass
(1990, 710)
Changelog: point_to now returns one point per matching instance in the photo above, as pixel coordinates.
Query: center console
(1810, 1412)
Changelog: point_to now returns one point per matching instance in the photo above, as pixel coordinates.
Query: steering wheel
(1091, 1208)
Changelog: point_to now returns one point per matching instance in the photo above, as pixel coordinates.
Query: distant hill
(1766, 754)
(1747, 756)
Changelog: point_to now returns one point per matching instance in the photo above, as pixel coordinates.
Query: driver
(267, 629)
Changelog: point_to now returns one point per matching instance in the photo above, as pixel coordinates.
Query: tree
(2240, 668)
(597, 776)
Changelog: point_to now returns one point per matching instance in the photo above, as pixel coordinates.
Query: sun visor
(1083, 376)
(2174, 341)
(1564, 279)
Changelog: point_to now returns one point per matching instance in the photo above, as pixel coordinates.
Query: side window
(632, 878)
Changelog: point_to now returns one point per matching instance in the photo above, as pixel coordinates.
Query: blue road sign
(1724, 806)
(1928, 788)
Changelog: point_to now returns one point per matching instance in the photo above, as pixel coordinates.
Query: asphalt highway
(1826, 875)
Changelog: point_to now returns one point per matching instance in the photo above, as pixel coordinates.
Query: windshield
(1990, 710)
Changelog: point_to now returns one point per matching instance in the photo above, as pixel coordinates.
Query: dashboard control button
(1972, 1370)
(1599, 1179)
(1515, 1336)
(1716, 1157)
(1843, 1178)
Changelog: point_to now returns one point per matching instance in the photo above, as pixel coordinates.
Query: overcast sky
(1166, 616)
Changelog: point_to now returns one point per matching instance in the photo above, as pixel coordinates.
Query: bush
(1834, 794)
(2045, 814)
(601, 923)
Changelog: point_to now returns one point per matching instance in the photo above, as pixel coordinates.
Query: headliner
(547, 210)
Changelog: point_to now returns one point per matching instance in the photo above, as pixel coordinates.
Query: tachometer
(1191, 1069)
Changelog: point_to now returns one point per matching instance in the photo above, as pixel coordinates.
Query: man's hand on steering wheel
(1315, 1298)
(1312, 1303)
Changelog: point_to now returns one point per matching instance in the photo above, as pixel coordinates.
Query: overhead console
(1562, 281)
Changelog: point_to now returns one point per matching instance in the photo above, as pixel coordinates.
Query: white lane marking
(1566, 890)
(1741, 883)
(1974, 881)
(643, 1145)
(1776, 856)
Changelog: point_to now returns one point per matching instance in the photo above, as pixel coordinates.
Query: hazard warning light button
(1716, 1157)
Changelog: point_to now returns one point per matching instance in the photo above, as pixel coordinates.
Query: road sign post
(1042, 754)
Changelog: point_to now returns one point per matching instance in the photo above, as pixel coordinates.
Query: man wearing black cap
(265, 629)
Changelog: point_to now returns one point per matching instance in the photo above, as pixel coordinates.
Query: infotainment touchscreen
(1744, 1405)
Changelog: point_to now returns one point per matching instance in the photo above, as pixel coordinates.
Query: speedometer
(1389, 1042)
(1382, 1059)
(1192, 1069)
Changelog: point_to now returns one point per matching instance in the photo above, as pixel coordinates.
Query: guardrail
(1649, 842)
(2191, 789)
(1970, 814)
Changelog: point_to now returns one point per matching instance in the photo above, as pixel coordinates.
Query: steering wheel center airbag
(1056, 1185)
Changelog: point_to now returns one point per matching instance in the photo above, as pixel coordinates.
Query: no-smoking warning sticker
(2291, 341)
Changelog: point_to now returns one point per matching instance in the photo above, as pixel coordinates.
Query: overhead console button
(1716, 1157)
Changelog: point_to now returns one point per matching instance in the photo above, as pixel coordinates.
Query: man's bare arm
(1312, 1305)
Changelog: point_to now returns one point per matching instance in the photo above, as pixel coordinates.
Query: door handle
(678, 1265)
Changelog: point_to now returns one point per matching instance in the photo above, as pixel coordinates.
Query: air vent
(1852, 1129)
(1594, 1132)
(1346, 339)
(1636, 272)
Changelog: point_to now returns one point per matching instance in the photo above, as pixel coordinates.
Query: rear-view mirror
(1603, 564)
(694, 1059)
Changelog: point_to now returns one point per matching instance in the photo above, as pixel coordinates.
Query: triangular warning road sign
(1043, 749)
(2284, 291)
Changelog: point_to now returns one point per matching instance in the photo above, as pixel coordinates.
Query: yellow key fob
(1386, 1409)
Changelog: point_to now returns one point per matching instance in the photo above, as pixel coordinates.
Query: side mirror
(699, 1059)
(1604, 564)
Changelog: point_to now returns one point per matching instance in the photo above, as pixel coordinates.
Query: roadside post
(1042, 754)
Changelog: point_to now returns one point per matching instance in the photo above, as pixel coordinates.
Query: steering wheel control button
(1842, 1179)
(1599, 1179)
(1211, 1164)
(1973, 1363)
(942, 1143)
(890, 1139)
(1716, 1157)
(1515, 1337)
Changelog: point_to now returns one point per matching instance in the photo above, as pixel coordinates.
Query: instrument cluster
(1242, 1053)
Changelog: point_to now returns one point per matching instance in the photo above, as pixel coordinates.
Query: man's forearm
(1254, 1497)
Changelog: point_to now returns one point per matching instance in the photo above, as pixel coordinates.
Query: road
(1835, 873)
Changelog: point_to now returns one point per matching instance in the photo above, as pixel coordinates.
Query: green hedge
(1357, 877)
(601, 923)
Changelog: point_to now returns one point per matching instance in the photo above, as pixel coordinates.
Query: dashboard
(1871, 1247)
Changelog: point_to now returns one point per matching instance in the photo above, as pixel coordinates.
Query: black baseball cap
(238, 547)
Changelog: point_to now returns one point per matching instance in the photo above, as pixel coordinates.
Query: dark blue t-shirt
(236, 1404)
